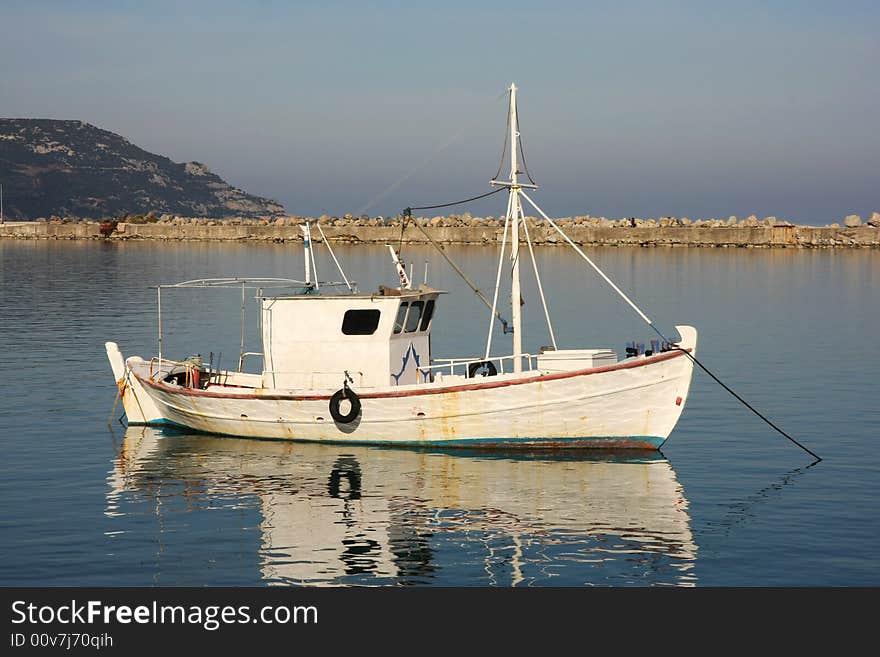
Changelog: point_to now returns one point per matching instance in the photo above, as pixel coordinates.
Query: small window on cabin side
(401, 317)
(415, 314)
(427, 315)
(360, 322)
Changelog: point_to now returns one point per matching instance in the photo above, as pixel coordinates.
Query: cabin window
(401, 317)
(427, 315)
(415, 314)
(360, 322)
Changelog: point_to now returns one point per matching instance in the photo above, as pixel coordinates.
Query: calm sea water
(727, 502)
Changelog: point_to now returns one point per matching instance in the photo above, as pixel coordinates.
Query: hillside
(70, 168)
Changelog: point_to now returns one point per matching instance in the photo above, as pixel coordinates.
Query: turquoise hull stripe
(614, 442)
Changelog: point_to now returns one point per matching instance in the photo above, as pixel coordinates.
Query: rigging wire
(657, 331)
(498, 279)
(407, 215)
(504, 147)
(521, 151)
(429, 157)
(407, 212)
(525, 225)
(333, 255)
(406, 218)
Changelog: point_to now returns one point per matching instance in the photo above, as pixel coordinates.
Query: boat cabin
(311, 341)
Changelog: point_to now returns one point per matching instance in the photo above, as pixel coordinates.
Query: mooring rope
(741, 400)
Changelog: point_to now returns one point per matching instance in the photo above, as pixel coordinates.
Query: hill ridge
(69, 167)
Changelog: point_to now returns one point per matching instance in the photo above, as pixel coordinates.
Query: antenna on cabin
(1, 204)
(405, 281)
(307, 248)
(309, 253)
(333, 255)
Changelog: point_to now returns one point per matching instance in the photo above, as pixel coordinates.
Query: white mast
(515, 214)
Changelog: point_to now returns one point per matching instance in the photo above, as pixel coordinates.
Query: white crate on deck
(567, 360)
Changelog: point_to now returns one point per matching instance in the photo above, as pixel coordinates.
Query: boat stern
(139, 407)
(117, 362)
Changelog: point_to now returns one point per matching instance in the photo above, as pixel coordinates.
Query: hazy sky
(697, 109)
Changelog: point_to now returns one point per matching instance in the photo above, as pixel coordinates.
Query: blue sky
(695, 109)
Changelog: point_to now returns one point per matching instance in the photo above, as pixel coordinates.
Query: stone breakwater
(748, 233)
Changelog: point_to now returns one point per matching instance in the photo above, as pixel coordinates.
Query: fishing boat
(343, 366)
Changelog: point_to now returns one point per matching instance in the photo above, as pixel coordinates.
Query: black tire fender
(336, 400)
(491, 370)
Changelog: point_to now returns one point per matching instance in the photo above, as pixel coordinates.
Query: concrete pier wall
(734, 236)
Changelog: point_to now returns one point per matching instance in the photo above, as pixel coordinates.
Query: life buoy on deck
(488, 364)
(336, 400)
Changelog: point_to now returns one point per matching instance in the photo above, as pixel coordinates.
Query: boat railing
(464, 364)
(244, 355)
(158, 365)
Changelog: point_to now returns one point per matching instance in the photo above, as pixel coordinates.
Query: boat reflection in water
(330, 515)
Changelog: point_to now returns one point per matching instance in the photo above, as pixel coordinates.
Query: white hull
(634, 404)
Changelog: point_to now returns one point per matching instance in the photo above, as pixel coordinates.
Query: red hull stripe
(427, 391)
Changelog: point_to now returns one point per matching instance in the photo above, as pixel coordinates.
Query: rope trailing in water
(115, 404)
